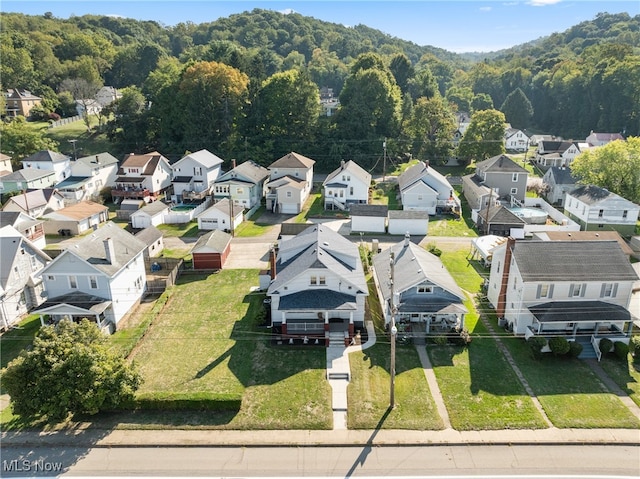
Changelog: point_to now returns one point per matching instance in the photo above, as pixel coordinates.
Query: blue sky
(455, 25)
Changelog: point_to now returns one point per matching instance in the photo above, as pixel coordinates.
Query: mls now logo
(35, 466)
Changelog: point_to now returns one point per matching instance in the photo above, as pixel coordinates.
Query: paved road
(358, 461)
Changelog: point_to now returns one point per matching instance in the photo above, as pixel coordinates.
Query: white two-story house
(194, 175)
(290, 183)
(245, 183)
(101, 277)
(596, 208)
(317, 280)
(50, 161)
(516, 140)
(20, 287)
(89, 175)
(422, 188)
(580, 290)
(346, 185)
(142, 176)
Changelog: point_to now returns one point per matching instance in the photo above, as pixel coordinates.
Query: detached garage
(211, 250)
(150, 215)
(368, 218)
(414, 222)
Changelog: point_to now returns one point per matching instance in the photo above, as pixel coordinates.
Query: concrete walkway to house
(339, 375)
(433, 385)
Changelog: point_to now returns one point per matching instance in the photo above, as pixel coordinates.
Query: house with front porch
(101, 278)
(422, 188)
(142, 176)
(345, 186)
(194, 175)
(596, 208)
(500, 176)
(559, 153)
(244, 183)
(20, 286)
(516, 140)
(415, 283)
(290, 183)
(317, 286)
(562, 288)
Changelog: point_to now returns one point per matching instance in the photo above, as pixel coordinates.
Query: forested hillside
(246, 86)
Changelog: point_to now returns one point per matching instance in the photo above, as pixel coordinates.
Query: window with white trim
(73, 282)
(514, 177)
(93, 282)
(514, 191)
(424, 289)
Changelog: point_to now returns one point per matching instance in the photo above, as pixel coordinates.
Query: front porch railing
(305, 328)
(596, 347)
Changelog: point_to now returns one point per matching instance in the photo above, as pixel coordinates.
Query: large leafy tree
(517, 109)
(430, 129)
(19, 140)
(129, 125)
(289, 111)
(614, 166)
(211, 98)
(70, 369)
(484, 137)
(83, 93)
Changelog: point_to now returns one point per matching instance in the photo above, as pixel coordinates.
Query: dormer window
(424, 289)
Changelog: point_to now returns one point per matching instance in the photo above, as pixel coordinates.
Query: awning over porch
(74, 304)
(579, 312)
(318, 299)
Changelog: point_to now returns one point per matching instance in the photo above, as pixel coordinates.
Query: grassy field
(626, 374)
(208, 345)
(180, 230)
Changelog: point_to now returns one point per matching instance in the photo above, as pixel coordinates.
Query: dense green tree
(128, 124)
(290, 112)
(211, 96)
(430, 129)
(423, 84)
(69, 369)
(484, 137)
(402, 70)
(461, 97)
(83, 93)
(614, 166)
(19, 140)
(481, 101)
(517, 109)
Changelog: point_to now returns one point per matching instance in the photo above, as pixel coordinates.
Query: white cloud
(485, 9)
(510, 4)
(287, 11)
(543, 3)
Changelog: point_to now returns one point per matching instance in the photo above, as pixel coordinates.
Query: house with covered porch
(578, 290)
(101, 277)
(415, 285)
(317, 287)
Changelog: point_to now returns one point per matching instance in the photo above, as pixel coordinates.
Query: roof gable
(293, 160)
(203, 157)
(352, 168)
(500, 164)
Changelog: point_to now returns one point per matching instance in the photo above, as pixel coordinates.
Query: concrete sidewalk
(306, 438)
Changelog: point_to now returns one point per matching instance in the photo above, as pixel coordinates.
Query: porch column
(427, 325)
(41, 320)
(462, 321)
(629, 329)
(284, 322)
(539, 327)
(575, 330)
(326, 320)
(351, 325)
(597, 326)
(98, 320)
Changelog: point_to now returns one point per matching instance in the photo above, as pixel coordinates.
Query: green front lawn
(626, 374)
(570, 392)
(14, 341)
(180, 229)
(206, 343)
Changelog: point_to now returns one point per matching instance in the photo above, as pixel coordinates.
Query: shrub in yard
(575, 348)
(634, 348)
(536, 344)
(621, 350)
(605, 346)
(439, 340)
(559, 346)
(460, 337)
(434, 250)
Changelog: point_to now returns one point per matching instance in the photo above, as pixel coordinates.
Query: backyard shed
(368, 218)
(211, 250)
(150, 215)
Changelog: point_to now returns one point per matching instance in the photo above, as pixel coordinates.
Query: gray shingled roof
(351, 167)
(215, 241)
(591, 194)
(319, 247)
(91, 248)
(293, 160)
(408, 215)
(247, 171)
(500, 164)
(153, 208)
(28, 174)
(562, 175)
(47, 156)
(369, 210)
(318, 299)
(149, 235)
(413, 265)
(101, 159)
(572, 261)
(579, 312)
(500, 215)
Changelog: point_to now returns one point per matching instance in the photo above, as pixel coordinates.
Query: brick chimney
(502, 295)
(109, 251)
(233, 163)
(272, 263)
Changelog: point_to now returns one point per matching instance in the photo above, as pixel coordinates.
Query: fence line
(65, 121)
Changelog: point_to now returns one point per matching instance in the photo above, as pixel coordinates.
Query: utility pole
(73, 142)
(394, 332)
(384, 160)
